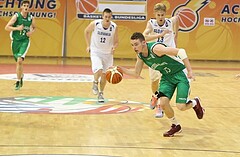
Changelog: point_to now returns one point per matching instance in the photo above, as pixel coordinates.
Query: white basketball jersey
(102, 39)
(167, 39)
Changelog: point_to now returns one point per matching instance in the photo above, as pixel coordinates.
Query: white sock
(194, 103)
(173, 120)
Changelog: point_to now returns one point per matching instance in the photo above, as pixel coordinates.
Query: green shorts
(168, 84)
(20, 48)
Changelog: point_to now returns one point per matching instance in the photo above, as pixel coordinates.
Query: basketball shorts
(101, 61)
(20, 48)
(178, 81)
(154, 75)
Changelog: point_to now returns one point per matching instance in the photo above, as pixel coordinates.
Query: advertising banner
(47, 40)
(209, 29)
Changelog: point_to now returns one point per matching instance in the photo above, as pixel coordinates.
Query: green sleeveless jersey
(167, 65)
(21, 35)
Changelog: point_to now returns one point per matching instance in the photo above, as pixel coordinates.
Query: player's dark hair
(107, 10)
(137, 35)
(25, 2)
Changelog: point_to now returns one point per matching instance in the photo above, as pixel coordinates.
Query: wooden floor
(123, 126)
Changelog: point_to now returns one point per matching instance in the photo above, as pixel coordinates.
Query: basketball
(187, 19)
(114, 75)
(87, 6)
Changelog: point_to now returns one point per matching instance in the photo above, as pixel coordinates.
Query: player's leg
(166, 92)
(107, 61)
(15, 46)
(97, 71)
(155, 78)
(21, 57)
(183, 103)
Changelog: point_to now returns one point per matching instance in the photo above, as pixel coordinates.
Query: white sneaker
(159, 112)
(100, 97)
(95, 88)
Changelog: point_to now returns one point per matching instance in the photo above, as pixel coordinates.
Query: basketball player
(164, 30)
(176, 71)
(21, 25)
(101, 38)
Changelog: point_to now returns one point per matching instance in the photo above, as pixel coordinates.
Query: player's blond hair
(160, 7)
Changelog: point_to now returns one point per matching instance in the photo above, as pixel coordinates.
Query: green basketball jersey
(167, 65)
(21, 35)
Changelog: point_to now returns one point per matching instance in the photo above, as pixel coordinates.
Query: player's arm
(87, 34)
(181, 53)
(149, 29)
(175, 22)
(32, 28)
(115, 42)
(136, 71)
(9, 26)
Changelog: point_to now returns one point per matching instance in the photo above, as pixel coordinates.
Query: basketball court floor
(55, 113)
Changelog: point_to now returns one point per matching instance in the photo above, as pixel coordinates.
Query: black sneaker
(21, 81)
(174, 129)
(17, 85)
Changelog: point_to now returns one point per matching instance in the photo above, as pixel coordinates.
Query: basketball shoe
(198, 108)
(95, 87)
(100, 97)
(159, 112)
(17, 85)
(21, 81)
(154, 101)
(174, 129)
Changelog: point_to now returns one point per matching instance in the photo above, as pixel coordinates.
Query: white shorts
(101, 61)
(154, 75)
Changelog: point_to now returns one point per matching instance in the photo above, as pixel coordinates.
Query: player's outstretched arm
(136, 71)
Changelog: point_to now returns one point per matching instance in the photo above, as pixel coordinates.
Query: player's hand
(88, 50)
(166, 31)
(29, 33)
(237, 76)
(113, 50)
(20, 28)
(191, 76)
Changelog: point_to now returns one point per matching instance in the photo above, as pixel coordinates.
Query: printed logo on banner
(230, 13)
(188, 14)
(10, 7)
(67, 105)
(92, 9)
(209, 21)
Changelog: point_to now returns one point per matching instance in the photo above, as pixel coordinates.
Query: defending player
(101, 45)
(164, 30)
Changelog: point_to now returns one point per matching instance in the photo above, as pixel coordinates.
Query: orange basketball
(114, 75)
(187, 19)
(87, 6)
